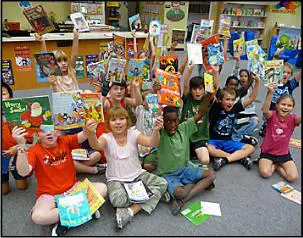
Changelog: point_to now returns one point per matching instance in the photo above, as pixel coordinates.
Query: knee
(292, 177)
(266, 173)
(118, 199)
(249, 147)
(102, 189)
(211, 175)
(38, 217)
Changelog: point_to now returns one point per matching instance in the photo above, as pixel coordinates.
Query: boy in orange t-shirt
(52, 162)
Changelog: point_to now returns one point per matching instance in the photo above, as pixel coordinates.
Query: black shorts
(196, 145)
(276, 159)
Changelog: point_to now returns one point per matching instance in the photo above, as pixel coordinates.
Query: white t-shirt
(251, 108)
(122, 161)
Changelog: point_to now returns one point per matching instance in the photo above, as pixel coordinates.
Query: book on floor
(288, 38)
(239, 46)
(296, 143)
(194, 52)
(116, 69)
(206, 28)
(209, 83)
(79, 21)
(137, 191)
(73, 209)
(80, 154)
(93, 108)
(169, 63)
(48, 64)
(95, 200)
(282, 187)
(135, 69)
(273, 72)
(211, 208)
(38, 19)
(293, 195)
(224, 25)
(67, 110)
(193, 213)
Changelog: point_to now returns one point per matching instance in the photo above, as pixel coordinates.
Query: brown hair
(114, 113)
(60, 55)
(289, 66)
(225, 91)
(287, 96)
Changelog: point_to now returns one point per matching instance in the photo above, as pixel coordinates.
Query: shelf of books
(113, 14)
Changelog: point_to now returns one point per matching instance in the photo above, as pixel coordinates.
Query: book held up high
(93, 108)
(48, 64)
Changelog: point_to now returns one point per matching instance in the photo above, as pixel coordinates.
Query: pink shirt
(66, 83)
(122, 161)
(278, 134)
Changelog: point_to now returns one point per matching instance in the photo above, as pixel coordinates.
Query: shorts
(228, 146)
(276, 159)
(150, 159)
(196, 145)
(11, 168)
(183, 176)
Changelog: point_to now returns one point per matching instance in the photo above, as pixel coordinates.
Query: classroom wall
(13, 12)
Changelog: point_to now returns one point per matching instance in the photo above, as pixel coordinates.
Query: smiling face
(118, 125)
(171, 123)
(117, 92)
(227, 102)
(48, 139)
(232, 84)
(284, 107)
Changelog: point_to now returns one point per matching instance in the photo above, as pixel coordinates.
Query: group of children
(204, 129)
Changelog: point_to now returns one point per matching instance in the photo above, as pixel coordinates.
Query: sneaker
(219, 162)
(211, 186)
(96, 215)
(246, 162)
(165, 197)
(262, 130)
(123, 217)
(59, 230)
(249, 140)
(176, 206)
(101, 168)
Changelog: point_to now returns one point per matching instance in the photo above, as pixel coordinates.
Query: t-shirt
(278, 134)
(54, 167)
(190, 109)
(66, 83)
(250, 108)
(7, 139)
(222, 122)
(122, 161)
(174, 150)
(287, 88)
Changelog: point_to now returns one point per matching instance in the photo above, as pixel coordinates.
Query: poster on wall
(7, 72)
(23, 58)
(175, 13)
(179, 36)
(285, 7)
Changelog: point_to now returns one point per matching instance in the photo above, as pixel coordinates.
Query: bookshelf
(113, 14)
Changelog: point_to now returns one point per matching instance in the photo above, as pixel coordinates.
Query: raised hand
(271, 87)
(76, 33)
(19, 134)
(38, 37)
(156, 86)
(158, 123)
(10, 152)
(90, 127)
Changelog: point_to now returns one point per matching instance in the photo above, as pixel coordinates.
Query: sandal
(176, 206)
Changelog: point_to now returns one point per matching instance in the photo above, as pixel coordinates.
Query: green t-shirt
(174, 150)
(190, 109)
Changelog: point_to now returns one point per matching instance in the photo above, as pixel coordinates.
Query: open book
(137, 191)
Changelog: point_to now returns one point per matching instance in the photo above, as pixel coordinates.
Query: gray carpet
(249, 205)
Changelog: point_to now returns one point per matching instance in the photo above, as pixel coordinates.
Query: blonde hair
(289, 66)
(60, 55)
(117, 112)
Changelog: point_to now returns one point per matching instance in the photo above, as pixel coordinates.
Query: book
(288, 38)
(293, 195)
(95, 200)
(215, 54)
(196, 35)
(137, 192)
(89, 59)
(135, 69)
(93, 108)
(282, 187)
(242, 120)
(193, 213)
(48, 64)
(296, 143)
(169, 94)
(239, 46)
(206, 28)
(211, 208)
(73, 209)
(209, 83)
(178, 35)
(147, 81)
(194, 52)
(67, 110)
(169, 63)
(116, 69)
(135, 22)
(163, 37)
(153, 104)
(145, 151)
(205, 43)
(7, 72)
(224, 25)
(79, 21)
(79, 67)
(96, 71)
(29, 112)
(154, 28)
(255, 56)
(119, 46)
(273, 72)
(80, 154)
(38, 19)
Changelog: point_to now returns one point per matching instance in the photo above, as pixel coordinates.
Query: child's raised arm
(136, 97)
(133, 32)
(153, 140)
(298, 76)
(203, 107)
(266, 105)
(90, 129)
(75, 48)
(153, 53)
(43, 44)
(277, 53)
(237, 66)
(187, 78)
(184, 61)
(254, 92)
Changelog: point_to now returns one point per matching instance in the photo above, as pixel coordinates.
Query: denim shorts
(183, 176)
(228, 146)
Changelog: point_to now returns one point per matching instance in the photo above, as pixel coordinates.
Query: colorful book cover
(89, 59)
(194, 52)
(169, 63)
(79, 21)
(48, 64)
(79, 67)
(96, 71)
(294, 196)
(147, 82)
(215, 54)
(288, 38)
(145, 151)
(163, 37)
(273, 72)
(39, 77)
(282, 187)
(209, 83)
(104, 52)
(7, 72)
(67, 110)
(30, 113)
(255, 56)
(206, 28)
(135, 22)
(169, 94)
(154, 28)
(80, 154)
(93, 108)
(116, 69)
(239, 46)
(135, 69)
(73, 209)
(38, 19)
(179, 36)
(137, 191)
(296, 143)
(23, 58)
(196, 35)
(95, 200)
(194, 213)
(119, 46)
(224, 27)
(153, 104)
